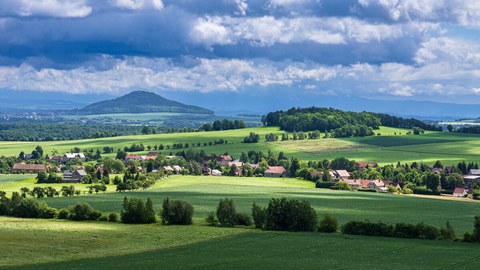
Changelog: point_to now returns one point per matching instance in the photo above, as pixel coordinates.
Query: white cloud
(53, 8)
(268, 30)
(463, 12)
(138, 4)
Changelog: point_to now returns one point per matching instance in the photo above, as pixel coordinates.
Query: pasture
(204, 192)
(387, 148)
(57, 244)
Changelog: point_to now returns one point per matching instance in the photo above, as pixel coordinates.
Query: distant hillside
(140, 102)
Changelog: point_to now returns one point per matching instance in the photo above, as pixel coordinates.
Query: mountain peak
(141, 102)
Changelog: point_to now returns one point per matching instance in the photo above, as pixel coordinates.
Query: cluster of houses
(226, 160)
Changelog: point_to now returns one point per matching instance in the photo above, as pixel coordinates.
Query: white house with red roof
(275, 171)
(460, 192)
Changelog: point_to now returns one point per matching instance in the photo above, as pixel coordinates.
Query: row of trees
(224, 124)
(328, 119)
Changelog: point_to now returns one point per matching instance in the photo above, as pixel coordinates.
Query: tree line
(329, 120)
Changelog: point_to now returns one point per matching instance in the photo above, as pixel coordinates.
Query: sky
(377, 49)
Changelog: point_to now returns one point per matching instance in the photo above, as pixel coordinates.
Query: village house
(56, 158)
(133, 157)
(362, 165)
(216, 173)
(460, 192)
(168, 168)
(474, 172)
(376, 184)
(71, 156)
(341, 174)
(275, 171)
(353, 183)
(75, 176)
(150, 155)
(222, 160)
(28, 168)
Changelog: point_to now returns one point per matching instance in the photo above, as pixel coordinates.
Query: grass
(57, 244)
(14, 182)
(204, 193)
(450, 148)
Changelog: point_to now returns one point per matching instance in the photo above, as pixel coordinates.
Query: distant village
(71, 167)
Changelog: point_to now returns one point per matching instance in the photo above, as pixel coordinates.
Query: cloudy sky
(386, 49)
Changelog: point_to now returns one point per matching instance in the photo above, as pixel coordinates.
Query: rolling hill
(140, 102)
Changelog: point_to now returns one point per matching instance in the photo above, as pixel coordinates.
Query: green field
(388, 148)
(56, 244)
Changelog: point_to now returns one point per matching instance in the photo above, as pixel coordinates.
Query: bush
(259, 215)
(328, 224)
(211, 219)
(27, 208)
(321, 184)
(342, 186)
(290, 215)
(103, 218)
(83, 211)
(63, 213)
(447, 233)
(45, 211)
(135, 211)
(226, 213)
(367, 190)
(243, 219)
(176, 212)
(113, 217)
(367, 228)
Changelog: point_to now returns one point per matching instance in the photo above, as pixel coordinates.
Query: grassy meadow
(204, 193)
(387, 148)
(57, 244)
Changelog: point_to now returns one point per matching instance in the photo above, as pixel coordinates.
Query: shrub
(226, 212)
(83, 211)
(290, 215)
(243, 219)
(63, 213)
(367, 228)
(45, 211)
(103, 218)
(211, 219)
(259, 215)
(447, 233)
(176, 212)
(135, 211)
(342, 186)
(328, 224)
(27, 208)
(321, 184)
(113, 217)
(367, 190)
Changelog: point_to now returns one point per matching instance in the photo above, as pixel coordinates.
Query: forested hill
(327, 119)
(140, 102)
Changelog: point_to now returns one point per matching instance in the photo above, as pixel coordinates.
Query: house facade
(275, 171)
(28, 168)
(75, 176)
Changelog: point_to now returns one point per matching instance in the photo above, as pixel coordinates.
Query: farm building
(376, 184)
(275, 171)
(353, 183)
(28, 168)
(71, 156)
(460, 192)
(75, 176)
(362, 165)
(130, 157)
(221, 160)
(341, 174)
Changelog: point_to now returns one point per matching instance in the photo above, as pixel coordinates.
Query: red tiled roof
(275, 170)
(152, 154)
(365, 164)
(365, 183)
(29, 167)
(459, 190)
(132, 156)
